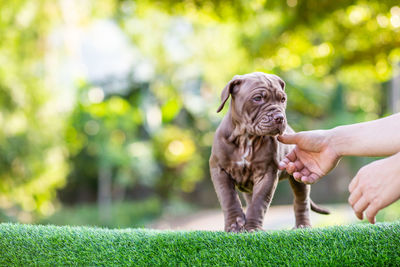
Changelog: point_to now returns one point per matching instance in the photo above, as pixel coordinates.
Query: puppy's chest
(248, 163)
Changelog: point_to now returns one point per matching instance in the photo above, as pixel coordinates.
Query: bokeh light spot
(382, 20)
(291, 3)
(92, 127)
(153, 117)
(395, 21)
(176, 147)
(96, 95)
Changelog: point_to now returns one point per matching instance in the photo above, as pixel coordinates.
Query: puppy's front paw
(237, 225)
(252, 229)
(301, 226)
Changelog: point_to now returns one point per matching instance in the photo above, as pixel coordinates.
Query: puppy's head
(258, 103)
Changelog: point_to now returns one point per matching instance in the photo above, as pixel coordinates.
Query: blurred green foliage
(33, 153)
(390, 213)
(125, 214)
(153, 133)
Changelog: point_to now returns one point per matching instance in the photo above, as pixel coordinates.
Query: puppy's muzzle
(278, 118)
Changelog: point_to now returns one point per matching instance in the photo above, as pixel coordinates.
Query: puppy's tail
(316, 208)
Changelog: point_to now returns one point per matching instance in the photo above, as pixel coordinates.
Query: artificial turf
(361, 244)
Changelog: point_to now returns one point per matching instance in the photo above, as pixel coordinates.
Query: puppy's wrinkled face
(259, 103)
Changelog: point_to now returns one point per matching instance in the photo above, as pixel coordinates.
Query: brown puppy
(245, 153)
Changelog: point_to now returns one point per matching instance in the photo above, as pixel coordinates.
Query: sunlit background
(108, 107)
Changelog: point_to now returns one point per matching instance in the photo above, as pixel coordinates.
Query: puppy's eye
(283, 99)
(257, 98)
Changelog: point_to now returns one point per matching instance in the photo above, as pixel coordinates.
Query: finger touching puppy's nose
(288, 138)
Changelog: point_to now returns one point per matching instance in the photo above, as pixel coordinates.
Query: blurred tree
(335, 57)
(98, 135)
(113, 140)
(318, 47)
(32, 154)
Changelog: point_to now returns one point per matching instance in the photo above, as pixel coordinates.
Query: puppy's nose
(279, 118)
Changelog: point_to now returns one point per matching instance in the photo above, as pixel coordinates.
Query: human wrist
(337, 141)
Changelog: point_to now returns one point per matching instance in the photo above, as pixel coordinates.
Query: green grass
(361, 244)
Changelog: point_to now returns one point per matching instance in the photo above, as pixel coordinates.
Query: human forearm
(375, 138)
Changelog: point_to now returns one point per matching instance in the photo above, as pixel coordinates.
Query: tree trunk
(104, 194)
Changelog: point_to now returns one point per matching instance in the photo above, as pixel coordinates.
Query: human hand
(313, 157)
(375, 186)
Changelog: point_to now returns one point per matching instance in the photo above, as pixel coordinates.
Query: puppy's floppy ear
(282, 83)
(228, 90)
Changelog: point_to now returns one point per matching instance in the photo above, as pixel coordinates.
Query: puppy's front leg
(263, 191)
(229, 200)
(301, 194)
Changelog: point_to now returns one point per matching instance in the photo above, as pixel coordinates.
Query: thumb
(288, 138)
